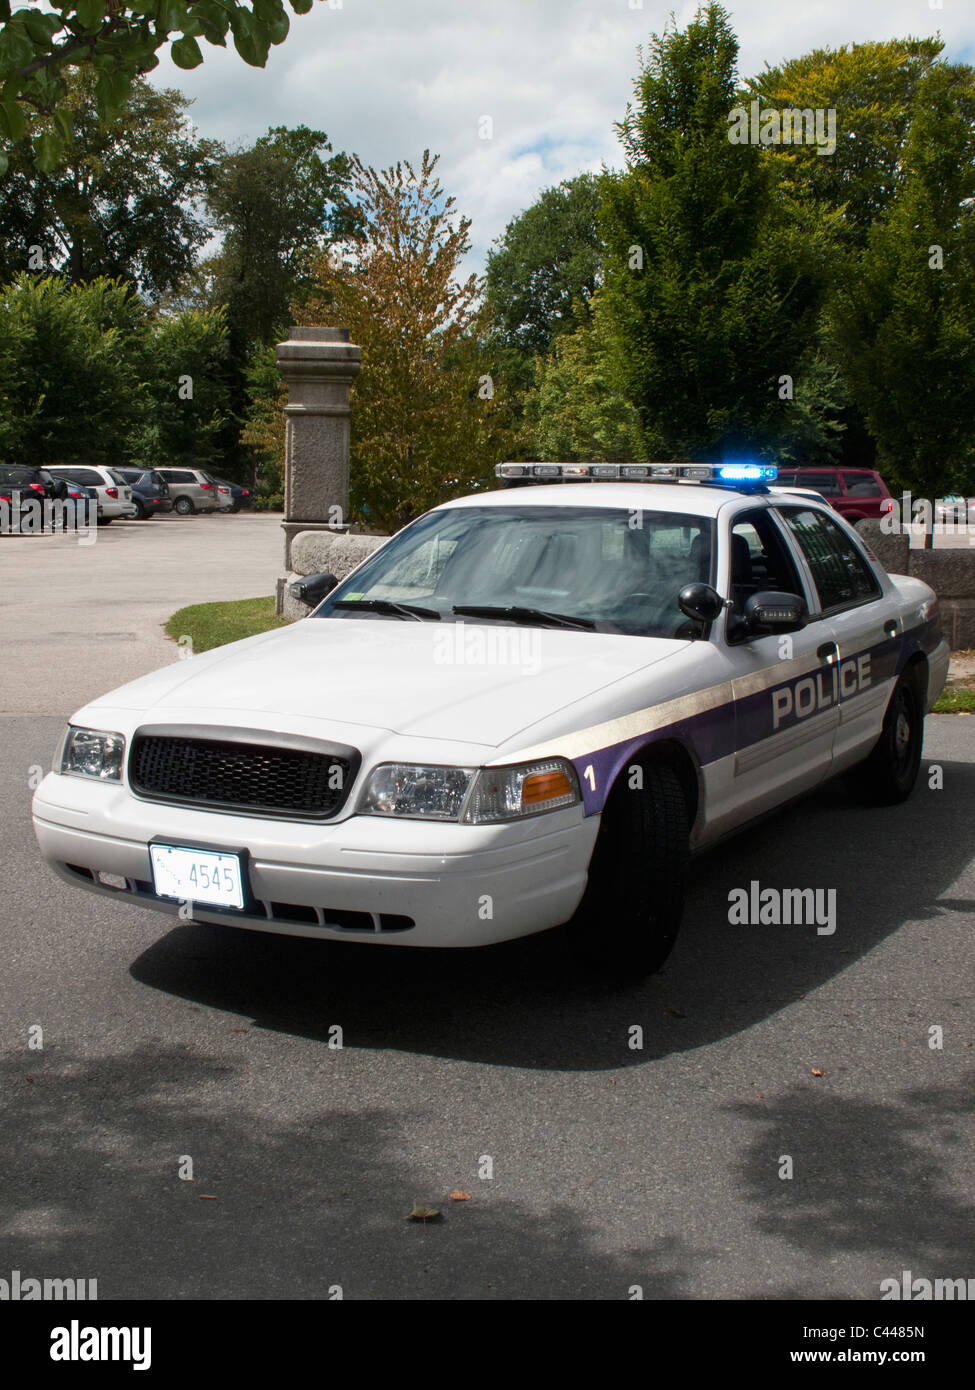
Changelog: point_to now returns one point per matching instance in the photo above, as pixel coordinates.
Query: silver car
(113, 492)
(190, 489)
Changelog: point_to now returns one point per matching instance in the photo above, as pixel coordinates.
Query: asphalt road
(611, 1166)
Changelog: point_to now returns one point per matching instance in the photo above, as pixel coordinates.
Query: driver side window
(760, 563)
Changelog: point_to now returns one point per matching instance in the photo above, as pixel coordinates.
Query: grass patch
(955, 699)
(211, 625)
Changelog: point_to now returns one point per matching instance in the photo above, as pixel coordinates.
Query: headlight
(91, 753)
(476, 797)
(421, 793)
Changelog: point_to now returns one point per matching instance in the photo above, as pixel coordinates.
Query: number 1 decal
(590, 776)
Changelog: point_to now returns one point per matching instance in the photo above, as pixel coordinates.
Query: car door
(784, 717)
(866, 632)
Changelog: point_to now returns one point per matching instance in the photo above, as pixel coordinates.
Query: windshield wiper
(387, 606)
(523, 615)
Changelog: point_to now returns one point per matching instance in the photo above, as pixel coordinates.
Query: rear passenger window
(839, 570)
(826, 483)
(84, 477)
(861, 485)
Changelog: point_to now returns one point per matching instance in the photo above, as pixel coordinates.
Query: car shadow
(532, 1004)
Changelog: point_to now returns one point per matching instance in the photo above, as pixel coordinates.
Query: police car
(526, 709)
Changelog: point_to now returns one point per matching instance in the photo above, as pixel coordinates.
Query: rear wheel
(889, 773)
(631, 910)
(140, 511)
(183, 505)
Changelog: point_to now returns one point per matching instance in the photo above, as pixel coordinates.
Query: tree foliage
(712, 285)
(88, 375)
(903, 315)
(119, 40)
(579, 410)
(876, 89)
(543, 272)
(120, 204)
(424, 425)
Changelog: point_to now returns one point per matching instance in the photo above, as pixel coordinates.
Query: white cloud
(388, 78)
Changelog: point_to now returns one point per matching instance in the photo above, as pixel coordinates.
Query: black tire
(888, 775)
(140, 512)
(631, 911)
(184, 506)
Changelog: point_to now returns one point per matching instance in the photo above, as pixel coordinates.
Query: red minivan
(853, 492)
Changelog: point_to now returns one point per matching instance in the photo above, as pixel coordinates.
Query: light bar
(727, 474)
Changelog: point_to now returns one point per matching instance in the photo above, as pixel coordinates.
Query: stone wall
(322, 552)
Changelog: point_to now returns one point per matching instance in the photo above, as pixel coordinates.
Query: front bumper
(365, 878)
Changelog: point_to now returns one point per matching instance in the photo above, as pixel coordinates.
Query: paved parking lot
(610, 1166)
(93, 613)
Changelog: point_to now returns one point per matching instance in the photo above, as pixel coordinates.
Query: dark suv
(853, 492)
(149, 493)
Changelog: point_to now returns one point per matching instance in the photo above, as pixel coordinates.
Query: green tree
(876, 90)
(543, 272)
(277, 204)
(119, 41)
(579, 410)
(120, 206)
(69, 380)
(424, 424)
(713, 283)
(184, 396)
(902, 318)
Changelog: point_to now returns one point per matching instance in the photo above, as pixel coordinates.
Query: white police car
(526, 708)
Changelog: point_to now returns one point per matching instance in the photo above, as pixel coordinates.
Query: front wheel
(889, 773)
(631, 911)
(183, 505)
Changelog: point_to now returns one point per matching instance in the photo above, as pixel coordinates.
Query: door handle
(829, 651)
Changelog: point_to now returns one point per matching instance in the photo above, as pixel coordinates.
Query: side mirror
(771, 612)
(701, 602)
(313, 588)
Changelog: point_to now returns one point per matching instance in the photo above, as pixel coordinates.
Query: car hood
(469, 682)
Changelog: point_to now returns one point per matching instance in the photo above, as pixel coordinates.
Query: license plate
(197, 875)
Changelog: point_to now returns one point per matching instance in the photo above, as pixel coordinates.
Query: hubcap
(902, 734)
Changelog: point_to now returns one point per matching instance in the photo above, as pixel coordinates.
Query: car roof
(694, 499)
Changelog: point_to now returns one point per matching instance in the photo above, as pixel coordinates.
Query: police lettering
(820, 691)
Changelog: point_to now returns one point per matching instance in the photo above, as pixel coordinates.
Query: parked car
(26, 485)
(239, 497)
(521, 700)
(113, 491)
(190, 489)
(856, 493)
(149, 493)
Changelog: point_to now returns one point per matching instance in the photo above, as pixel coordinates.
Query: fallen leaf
(676, 1012)
(240, 1030)
(458, 1196)
(422, 1213)
(207, 1197)
(31, 1080)
(817, 1073)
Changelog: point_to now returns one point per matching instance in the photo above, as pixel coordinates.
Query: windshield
(608, 570)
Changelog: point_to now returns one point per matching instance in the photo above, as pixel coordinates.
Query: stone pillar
(318, 366)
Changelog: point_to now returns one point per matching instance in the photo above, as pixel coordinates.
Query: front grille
(277, 776)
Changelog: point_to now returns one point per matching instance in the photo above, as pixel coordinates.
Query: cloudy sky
(389, 78)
